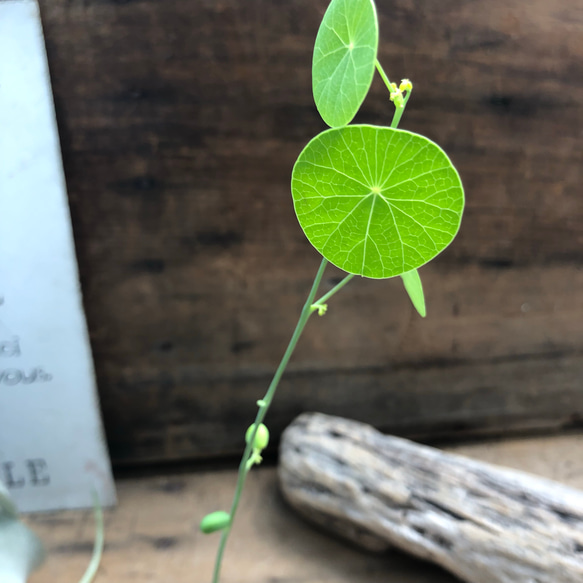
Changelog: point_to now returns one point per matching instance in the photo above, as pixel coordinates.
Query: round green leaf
(376, 201)
(344, 59)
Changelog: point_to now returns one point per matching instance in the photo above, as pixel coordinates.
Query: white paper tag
(52, 451)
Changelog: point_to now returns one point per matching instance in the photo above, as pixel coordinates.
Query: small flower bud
(215, 521)
(397, 100)
(261, 437)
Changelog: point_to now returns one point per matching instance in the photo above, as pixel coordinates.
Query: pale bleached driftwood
(484, 523)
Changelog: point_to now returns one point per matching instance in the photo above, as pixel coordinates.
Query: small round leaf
(344, 59)
(376, 201)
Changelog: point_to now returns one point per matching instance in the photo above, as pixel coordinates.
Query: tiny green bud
(215, 521)
(261, 437)
(255, 458)
(405, 85)
(397, 99)
(320, 308)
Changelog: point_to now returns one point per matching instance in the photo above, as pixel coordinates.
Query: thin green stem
(383, 75)
(328, 295)
(397, 116)
(93, 566)
(264, 405)
(406, 98)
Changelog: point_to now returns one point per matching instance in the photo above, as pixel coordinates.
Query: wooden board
(180, 122)
(152, 536)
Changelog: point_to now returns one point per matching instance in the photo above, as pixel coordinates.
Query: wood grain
(180, 122)
(483, 523)
(152, 536)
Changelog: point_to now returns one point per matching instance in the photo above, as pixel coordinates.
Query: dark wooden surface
(180, 122)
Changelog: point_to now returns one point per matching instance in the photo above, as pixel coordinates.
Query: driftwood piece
(481, 522)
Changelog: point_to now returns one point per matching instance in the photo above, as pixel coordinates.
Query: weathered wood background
(180, 121)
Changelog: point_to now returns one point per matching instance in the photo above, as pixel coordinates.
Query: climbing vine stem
(309, 308)
(264, 405)
(341, 168)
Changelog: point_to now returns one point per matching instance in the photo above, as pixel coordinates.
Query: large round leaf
(376, 201)
(344, 59)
